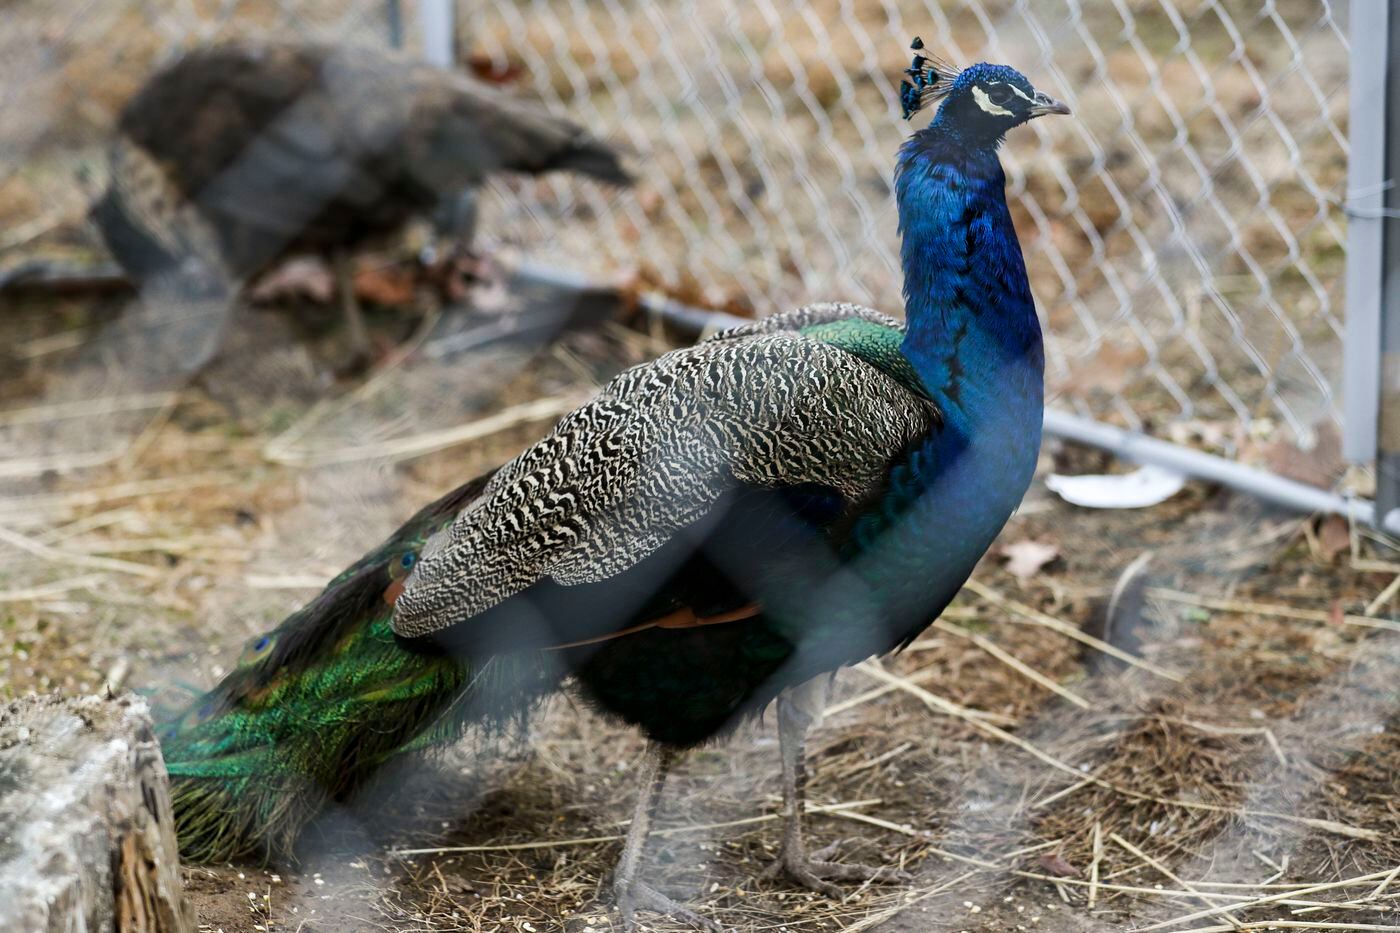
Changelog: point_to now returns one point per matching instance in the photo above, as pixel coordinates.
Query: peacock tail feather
(315, 707)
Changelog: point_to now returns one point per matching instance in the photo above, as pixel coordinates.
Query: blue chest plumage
(973, 338)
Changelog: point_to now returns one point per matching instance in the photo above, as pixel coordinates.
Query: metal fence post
(1372, 409)
(393, 19)
(436, 20)
(1388, 435)
(455, 218)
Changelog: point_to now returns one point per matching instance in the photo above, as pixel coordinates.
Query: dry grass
(1250, 750)
(1245, 764)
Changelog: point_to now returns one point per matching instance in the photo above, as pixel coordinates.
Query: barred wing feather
(761, 407)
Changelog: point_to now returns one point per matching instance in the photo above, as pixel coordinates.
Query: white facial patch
(986, 104)
(1021, 94)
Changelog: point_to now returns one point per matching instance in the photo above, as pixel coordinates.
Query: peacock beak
(1045, 104)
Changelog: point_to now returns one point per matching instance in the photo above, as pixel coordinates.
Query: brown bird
(240, 154)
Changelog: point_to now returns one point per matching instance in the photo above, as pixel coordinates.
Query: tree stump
(87, 841)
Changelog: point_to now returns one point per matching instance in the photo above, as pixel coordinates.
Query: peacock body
(239, 154)
(728, 523)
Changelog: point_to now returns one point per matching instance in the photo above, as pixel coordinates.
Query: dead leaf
(303, 278)
(388, 285)
(494, 70)
(1055, 864)
(1320, 466)
(455, 272)
(1333, 537)
(1024, 559)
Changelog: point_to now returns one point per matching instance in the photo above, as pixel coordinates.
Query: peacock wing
(651, 458)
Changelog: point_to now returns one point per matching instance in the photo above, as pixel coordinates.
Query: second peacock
(718, 529)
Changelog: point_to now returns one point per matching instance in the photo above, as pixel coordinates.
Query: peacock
(716, 530)
(242, 153)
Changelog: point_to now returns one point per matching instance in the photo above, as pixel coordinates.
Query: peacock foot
(641, 896)
(816, 874)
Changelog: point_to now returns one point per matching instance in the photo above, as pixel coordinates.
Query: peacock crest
(927, 79)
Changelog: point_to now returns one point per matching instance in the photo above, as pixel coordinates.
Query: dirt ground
(1247, 752)
(1240, 767)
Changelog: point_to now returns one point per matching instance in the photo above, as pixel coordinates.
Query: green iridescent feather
(317, 705)
(874, 343)
(320, 704)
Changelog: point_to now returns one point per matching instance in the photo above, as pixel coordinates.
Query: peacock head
(981, 102)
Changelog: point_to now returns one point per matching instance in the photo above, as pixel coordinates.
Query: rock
(87, 841)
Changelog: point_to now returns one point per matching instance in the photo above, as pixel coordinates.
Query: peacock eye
(999, 93)
(408, 560)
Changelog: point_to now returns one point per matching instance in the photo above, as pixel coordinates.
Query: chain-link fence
(1186, 233)
(1184, 230)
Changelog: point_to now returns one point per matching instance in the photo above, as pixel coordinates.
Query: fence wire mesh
(1184, 229)
(1185, 234)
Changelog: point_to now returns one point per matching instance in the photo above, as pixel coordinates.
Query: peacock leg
(798, 710)
(631, 894)
(350, 308)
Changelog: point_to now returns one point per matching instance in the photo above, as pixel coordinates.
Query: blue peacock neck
(972, 333)
(973, 338)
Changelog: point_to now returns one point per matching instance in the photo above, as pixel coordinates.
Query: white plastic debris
(1139, 489)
